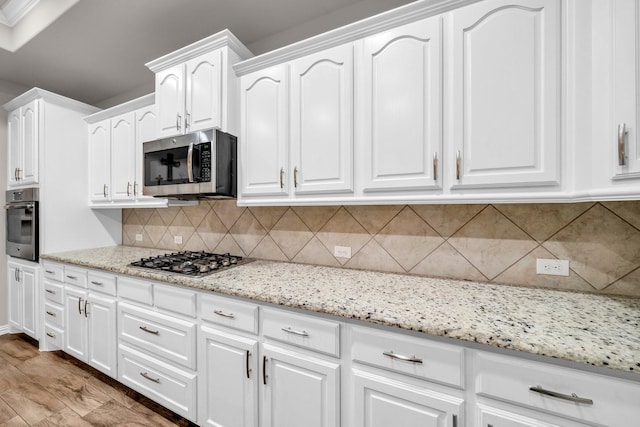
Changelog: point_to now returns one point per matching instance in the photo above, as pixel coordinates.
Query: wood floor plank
(112, 414)
(10, 376)
(77, 393)
(15, 422)
(32, 402)
(16, 351)
(66, 417)
(6, 413)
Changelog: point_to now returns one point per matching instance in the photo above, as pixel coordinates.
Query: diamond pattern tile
(447, 219)
(268, 215)
(247, 232)
(316, 253)
(290, 234)
(168, 214)
(445, 261)
(628, 285)
(373, 218)
(315, 217)
(155, 228)
(629, 211)
(408, 238)
(267, 249)
(228, 244)
(491, 242)
(212, 231)
(600, 247)
(343, 230)
(197, 213)
(227, 211)
(373, 257)
(181, 226)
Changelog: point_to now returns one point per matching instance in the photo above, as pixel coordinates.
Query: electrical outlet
(177, 240)
(553, 267)
(138, 237)
(342, 251)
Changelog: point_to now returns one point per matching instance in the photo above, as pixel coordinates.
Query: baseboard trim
(4, 329)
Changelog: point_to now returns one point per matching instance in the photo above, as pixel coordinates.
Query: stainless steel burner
(192, 263)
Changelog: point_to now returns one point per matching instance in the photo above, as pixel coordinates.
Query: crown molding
(134, 104)
(53, 98)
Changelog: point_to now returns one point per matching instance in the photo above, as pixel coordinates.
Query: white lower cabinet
(228, 387)
(299, 389)
(23, 284)
(488, 416)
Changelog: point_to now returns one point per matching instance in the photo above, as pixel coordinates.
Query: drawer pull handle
(49, 272)
(144, 328)
(93, 282)
(223, 314)
(570, 397)
(247, 364)
(145, 375)
(264, 370)
(49, 291)
(50, 313)
(412, 359)
(293, 331)
(50, 335)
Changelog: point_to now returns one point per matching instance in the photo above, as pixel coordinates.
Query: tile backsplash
(484, 243)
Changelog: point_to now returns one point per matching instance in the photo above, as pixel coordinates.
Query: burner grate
(192, 263)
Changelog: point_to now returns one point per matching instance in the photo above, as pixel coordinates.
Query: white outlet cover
(177, 240)
(552, 267)
(138, 237)
(342, 251)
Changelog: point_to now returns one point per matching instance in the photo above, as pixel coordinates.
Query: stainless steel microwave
(197, 165)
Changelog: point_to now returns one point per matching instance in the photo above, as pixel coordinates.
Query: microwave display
(170, 167)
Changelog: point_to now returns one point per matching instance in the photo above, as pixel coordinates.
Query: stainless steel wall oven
(22, 223)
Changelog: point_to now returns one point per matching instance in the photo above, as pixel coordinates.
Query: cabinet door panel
(30, 126)
(14, 146)
(263, 146)
(322, 121)
(75, 337)
(204, 92)
(229, 386)
(123, 163)
(382, 401)
(288, 374)
(505, 93)
(28, 283)
(99, 160)
(401, 98)
(15, 297)
(170, 101)
(101, 325)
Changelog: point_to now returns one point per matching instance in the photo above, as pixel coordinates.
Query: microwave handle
(21, 206)
(190, 162)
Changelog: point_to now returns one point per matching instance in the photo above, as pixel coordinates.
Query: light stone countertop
(598, 330)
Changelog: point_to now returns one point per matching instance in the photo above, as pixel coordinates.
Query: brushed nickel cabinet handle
(146, 376)
(570, 397)
(281, 177)
(178, 120)
(622, 136)
(295, 177)
(295, 332)
(79, 305)
(49, 272)
(264, 370)
(223, 314)
(86, 303)
(49, 291)
(187, 121)
(135, 188)
(93, 282)
(247, 364)
(412, 359)
(50, 335)
(50, 313)
(105, 191)
(128, 189)
(458, 165)
(144, 328)
(435, 166)
(72, 277)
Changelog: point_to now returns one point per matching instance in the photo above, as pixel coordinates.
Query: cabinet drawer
(417, 357)
(102, 282)
(166, 384)
(54, 337)
(53, 292)
(302, 330)
(75, 276)
(159, 334)
(53, 272)
(135, 290)
(511, 378)
(230, 313)
(182, 301)
(54, 314)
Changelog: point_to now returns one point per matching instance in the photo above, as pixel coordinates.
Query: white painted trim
(63, 101)
(14, 10)
(4, 329)
(391, 19)
(134, 104)
(224, 38)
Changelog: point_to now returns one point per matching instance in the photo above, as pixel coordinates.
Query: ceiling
(95, 52)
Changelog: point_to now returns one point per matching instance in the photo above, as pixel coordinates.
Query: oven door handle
(20, 206)
(190, 162)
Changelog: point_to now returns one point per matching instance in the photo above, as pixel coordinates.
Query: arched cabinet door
(504, 59)
(100, 161)
(170, 90)
(322, 122)
(263, 145)
(204, 92)
(123, 166)
(400, 85)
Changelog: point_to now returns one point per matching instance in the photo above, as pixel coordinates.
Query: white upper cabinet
(146, 130)
(401, 106)
(263, 154)
(23, 145)
(123, 148)
(196, 88)
(322, 121)
(504, 63)
(99, 160)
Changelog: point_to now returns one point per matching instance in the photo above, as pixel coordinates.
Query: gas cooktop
(192, 263)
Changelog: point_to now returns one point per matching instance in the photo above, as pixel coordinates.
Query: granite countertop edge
(586, 328)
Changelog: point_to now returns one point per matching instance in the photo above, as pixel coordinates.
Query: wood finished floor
(54, 389)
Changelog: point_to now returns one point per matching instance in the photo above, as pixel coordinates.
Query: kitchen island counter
(586, 328)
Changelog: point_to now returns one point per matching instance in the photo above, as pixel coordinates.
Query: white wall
(7, 93)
